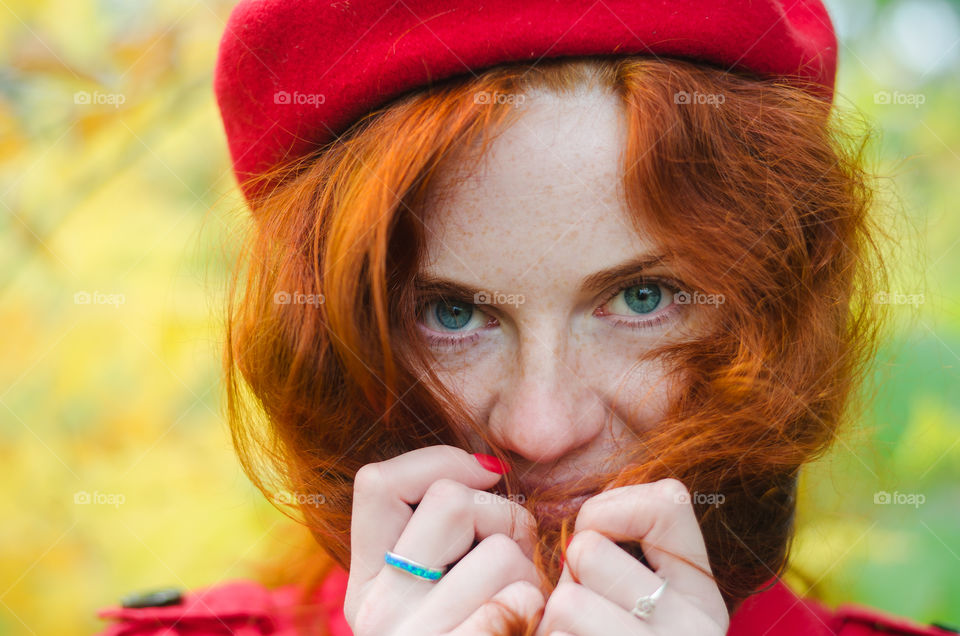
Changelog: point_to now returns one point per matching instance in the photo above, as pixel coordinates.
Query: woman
(618, 253)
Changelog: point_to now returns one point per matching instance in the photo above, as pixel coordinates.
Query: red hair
(762, 198)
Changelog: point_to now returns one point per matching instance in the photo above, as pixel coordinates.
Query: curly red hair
(762, 198)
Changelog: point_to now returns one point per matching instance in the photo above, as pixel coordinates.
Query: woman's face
(554, 302)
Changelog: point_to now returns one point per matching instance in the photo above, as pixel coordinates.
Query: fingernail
(492, 464)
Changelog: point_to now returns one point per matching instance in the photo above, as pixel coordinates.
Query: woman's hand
(609, 580)
(447, 484)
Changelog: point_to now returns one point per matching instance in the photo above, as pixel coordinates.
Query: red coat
(246, 608)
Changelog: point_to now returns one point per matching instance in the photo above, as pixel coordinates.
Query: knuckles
(368, 615)
(584, 543)
(658, 499)
(369, 479)
(498, 543)
(502, 553)
(564, 597)
(527, 594)
(663, 492)
(672, 491)
(447, 495)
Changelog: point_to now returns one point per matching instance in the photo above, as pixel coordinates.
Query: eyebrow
(594, 282)
(632, 267)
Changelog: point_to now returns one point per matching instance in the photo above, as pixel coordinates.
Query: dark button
(157, 598)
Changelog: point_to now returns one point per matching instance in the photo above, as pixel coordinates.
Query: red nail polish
(492, 464)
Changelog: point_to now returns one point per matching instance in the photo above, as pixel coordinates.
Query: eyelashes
(452, 343)
(438, 339)
(650, 302)
(658, 290)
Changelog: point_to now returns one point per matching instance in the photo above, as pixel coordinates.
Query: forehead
(545, 200)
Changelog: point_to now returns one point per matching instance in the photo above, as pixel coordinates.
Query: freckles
(470, 370)
(453, 366)
(472, 385)
(642, 408)
(640, 393)
(459, 382)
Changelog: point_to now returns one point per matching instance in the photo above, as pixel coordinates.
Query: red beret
(292, 75)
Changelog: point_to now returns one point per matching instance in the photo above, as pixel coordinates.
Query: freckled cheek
(644, 395)
(473, 378)
(638, 391)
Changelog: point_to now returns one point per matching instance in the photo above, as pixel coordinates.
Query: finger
(521, 597)
(383, 492)
(612, 572)
(451, 516)
(578, 610)
(659, 515)
(495, 563)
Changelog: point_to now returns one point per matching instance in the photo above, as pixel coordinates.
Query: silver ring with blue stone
(419, 570)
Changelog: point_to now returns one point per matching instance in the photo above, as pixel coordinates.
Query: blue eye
(453, 315)
(642, 297)
(450, 324)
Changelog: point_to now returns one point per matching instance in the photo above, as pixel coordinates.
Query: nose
(545, 408)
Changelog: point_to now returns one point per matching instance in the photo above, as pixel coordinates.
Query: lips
(554, 509)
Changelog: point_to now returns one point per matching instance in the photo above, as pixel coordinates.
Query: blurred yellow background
(118, 215)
